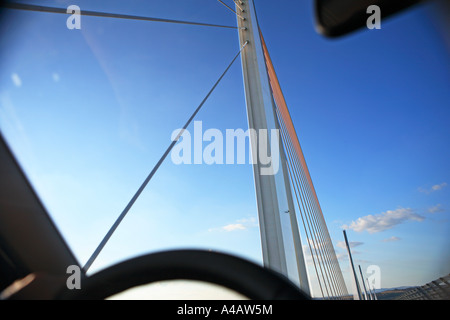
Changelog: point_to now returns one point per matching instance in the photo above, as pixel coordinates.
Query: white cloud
(241, 224)
(383, 221)
(252, 221)
(437, 187)
(435, 209)
(352, 244)
(233, 227)
(391, 239)
(341, 255)
(314, 244)
(434, 188)
(16, 80)
(360, 261)
(55, 77)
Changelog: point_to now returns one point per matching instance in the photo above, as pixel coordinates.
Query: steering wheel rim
(242, 276)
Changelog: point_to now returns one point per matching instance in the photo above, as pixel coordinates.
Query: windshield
(89, 106)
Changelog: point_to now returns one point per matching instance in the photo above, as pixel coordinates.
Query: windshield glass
(89, 106)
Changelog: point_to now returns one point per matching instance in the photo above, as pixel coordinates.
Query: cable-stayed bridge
(288, 205)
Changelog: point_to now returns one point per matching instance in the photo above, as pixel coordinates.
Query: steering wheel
(242, 276)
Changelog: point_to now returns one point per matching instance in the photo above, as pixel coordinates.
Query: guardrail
(435, 290)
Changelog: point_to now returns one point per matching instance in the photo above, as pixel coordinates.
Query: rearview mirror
(335, 18)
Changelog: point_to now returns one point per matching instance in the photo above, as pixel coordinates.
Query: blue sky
(89, 112)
